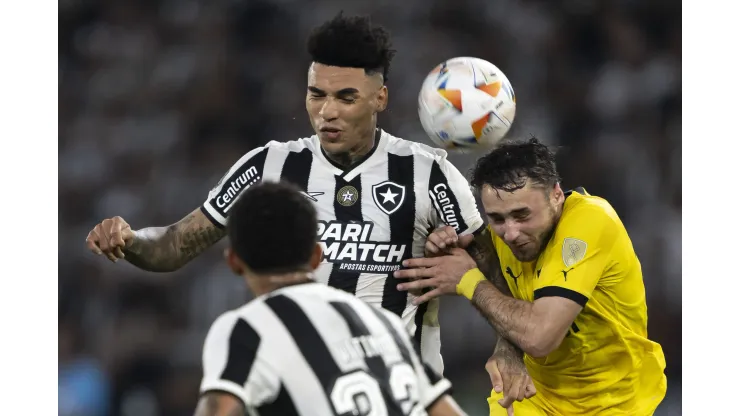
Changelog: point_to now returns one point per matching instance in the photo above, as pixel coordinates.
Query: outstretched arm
(165, 249)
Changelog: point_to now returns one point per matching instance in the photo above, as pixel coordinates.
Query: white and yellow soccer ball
(466, 104)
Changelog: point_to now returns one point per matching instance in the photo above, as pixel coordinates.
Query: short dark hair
(508, 166)
(273, 228)
(352, 42)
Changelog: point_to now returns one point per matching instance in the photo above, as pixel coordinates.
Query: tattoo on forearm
(196, 234)
(484, 254)
(165, 249)
(501, 310)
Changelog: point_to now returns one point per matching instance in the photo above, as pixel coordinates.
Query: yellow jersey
(606, 365)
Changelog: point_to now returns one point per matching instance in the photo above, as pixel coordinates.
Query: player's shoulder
(582, 210)
(222, 327)
(403, 147)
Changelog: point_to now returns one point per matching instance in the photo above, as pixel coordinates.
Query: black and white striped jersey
(372, 215)
(310, 349)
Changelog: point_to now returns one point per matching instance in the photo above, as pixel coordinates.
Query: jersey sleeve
(246, 172)
(452, 198)
(231, 362)
(581, 255)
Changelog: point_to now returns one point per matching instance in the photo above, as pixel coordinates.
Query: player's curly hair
(352, 41)
(273, 228)
(508, 166)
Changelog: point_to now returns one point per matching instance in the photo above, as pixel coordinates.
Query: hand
(444, 238)
(509, 374)
(441, 273)
(110, 237)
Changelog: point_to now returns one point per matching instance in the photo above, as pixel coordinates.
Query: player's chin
(525, 254)
(333, 145)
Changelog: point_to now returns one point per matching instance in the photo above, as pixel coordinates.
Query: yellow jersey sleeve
(578, 254)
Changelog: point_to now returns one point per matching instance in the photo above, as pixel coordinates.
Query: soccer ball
(466, 104)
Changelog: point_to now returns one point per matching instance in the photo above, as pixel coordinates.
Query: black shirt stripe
(297, 168)
(405, 352)
(346, 212)
(419, 322)
(562, 292)
(243, 344)
(250, 172)
(307, 338)
(375, 364)
(432, 375)
(401, 172)
(444, 200)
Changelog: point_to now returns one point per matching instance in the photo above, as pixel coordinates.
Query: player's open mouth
(330, 133)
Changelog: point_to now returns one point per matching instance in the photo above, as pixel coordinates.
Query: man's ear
(316, 257)
(235, 264)
(382, 99)
(557, 195)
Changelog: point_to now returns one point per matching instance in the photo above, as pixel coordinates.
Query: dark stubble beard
(544, 237)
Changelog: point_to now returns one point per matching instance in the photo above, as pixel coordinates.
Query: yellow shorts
(537, 407)
(527, 407)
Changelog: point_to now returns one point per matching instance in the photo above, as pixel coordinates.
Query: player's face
(524, 219)
(342, 104)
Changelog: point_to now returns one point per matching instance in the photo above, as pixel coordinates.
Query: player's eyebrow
(348, 91)
(519, 211)
(342, 92)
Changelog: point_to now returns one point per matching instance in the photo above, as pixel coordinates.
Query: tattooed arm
(216, 403)
(536, 327)
(166, 249)
(526, 324)
(481, 249)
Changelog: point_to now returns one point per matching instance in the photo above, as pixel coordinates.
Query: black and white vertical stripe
(283, 354)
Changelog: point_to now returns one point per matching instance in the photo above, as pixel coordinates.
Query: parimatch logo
(349, 245)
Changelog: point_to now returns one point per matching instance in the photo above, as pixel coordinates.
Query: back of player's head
(508, 166)
(273, 228)
(353, 42)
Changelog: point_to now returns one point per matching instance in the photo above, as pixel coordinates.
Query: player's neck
(354, 155)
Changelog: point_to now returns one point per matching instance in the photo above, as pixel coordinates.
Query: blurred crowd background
(159, 97)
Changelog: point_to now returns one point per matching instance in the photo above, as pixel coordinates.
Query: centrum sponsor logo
(229, 193)
(445, 205)
(349, 244)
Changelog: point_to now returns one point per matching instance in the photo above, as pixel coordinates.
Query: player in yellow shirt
(580, 314)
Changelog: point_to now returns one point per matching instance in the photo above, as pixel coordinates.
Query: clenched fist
(110, 237)
(441, 240)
